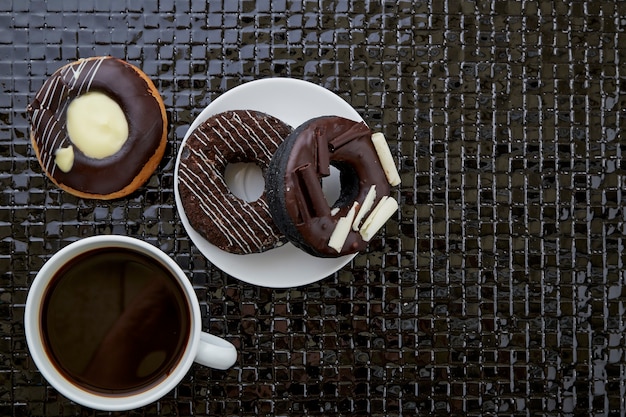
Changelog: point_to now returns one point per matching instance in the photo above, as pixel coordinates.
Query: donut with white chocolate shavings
(223, 219)
(366, 173)
(98, 127)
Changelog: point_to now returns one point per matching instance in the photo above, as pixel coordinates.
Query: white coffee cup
(200, 347)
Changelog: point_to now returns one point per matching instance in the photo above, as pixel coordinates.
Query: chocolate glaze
(120, 81)
(294, 189)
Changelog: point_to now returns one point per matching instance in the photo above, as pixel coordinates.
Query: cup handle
(215, 352)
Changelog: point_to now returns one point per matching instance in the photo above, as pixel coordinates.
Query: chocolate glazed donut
(294, 191)
(116, 175)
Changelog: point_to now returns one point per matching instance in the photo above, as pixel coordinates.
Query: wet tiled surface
(500, 286)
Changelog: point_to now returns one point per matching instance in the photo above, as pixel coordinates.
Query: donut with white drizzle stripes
(113, 176)
(223, 219)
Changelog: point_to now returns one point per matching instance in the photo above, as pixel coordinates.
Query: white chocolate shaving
(64, 158)
(334, 211)
(96, 125)
(386, 159)
(342, 229)
(371, 216)
(368, 202)
(378, 217)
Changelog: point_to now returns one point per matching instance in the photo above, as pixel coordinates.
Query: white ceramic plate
(294, 102)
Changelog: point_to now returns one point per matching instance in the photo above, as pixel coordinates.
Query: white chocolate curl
(368, 202)
(342, 229)
(96, 125)
(378, 217)
(386, 159)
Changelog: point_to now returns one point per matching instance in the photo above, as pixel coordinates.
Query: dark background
(500, 286)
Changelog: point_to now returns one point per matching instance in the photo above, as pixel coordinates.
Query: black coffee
(115, 321)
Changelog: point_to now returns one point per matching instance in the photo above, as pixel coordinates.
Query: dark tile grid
(519, 176)
(499, 288)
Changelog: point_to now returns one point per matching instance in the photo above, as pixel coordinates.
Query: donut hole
(331, 186)
(341, 187)
(245, 180)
